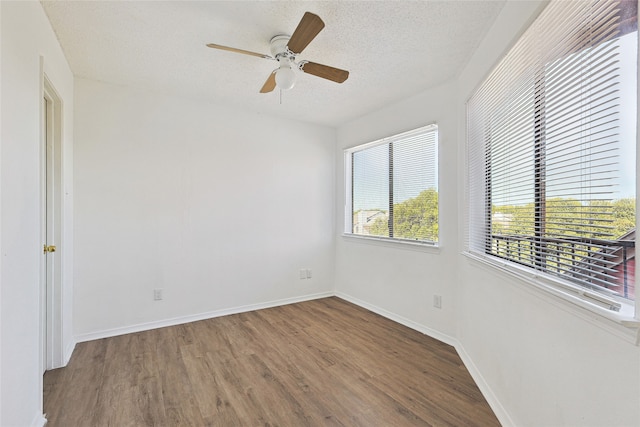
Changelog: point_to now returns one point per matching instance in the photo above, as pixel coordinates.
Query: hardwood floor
(322, 362)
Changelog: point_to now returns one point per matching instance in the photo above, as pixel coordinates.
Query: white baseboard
(38, 421)
(68, 352)
(490, 397)
(399, 319)
(492, 400)
(195, 317)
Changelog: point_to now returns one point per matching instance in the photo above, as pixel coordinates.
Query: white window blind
(551, 149)
(394, 187)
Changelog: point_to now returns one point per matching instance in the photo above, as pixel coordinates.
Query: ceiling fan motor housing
(279, 46)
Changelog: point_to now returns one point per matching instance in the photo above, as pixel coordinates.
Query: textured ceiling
(392, 49)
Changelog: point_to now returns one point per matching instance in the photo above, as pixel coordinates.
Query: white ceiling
(392, 49)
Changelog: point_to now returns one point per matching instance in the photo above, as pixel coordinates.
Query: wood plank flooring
(323, 362)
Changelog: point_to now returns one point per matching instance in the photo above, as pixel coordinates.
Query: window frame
(349, 192)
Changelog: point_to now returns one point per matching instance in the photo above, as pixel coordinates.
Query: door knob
(50, 248)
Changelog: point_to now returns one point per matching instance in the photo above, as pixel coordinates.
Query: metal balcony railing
(593, 263)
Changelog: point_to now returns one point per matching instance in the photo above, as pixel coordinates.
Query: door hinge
(50, 248)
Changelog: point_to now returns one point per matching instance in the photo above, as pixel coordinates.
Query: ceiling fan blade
(233, 49)
(308, 28)
(330, 73)
(270, 84)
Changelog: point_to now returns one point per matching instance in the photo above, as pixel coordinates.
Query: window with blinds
(551, 150)
(393, 190)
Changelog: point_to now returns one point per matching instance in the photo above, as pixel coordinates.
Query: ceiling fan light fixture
(285, 77)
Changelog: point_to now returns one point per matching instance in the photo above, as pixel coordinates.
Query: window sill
(394, 243)
(622, 323)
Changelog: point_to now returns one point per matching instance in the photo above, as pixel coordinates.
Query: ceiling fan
(285, 49)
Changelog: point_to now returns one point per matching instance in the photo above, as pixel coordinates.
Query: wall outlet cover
(437, 301)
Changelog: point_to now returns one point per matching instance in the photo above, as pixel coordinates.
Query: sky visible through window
(412, 174)
(506, 178)
(629, 113)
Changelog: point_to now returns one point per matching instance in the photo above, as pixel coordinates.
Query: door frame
(51, 227)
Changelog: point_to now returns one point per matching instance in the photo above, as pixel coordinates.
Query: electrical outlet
(308, 273)
(303, 273)
(437, 301)
(157, 294)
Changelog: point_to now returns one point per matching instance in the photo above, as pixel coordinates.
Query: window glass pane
(415, 187)
(511, 166)
(371, 191)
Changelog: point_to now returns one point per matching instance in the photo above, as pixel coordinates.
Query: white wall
(219, 208)
(401, 280)
(539, 362)
(26, 36)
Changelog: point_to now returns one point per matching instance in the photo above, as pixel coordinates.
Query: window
(551, 152)
(392, 190)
